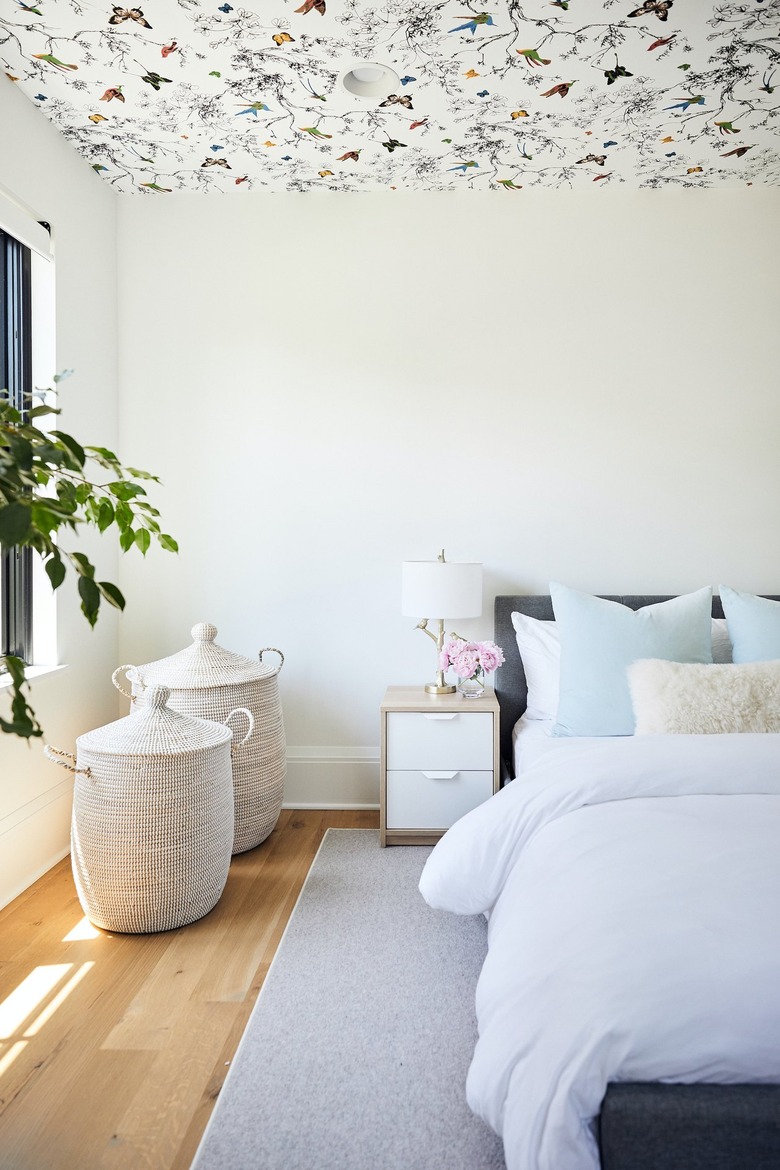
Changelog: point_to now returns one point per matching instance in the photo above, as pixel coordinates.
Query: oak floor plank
(151, 1130)
(123, 1071)
(68, 1118)
(266, 884)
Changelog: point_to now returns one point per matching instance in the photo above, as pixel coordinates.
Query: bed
(629, 1005)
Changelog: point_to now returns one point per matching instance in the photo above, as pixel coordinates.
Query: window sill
(33, 673)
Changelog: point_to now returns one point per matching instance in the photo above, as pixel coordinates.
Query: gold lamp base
(435, 689)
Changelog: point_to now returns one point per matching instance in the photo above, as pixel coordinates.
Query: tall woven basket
(152, 826)
(208, 681)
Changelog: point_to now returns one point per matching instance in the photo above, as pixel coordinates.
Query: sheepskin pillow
(691, 699)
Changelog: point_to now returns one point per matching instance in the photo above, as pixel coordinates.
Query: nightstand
(439, 759)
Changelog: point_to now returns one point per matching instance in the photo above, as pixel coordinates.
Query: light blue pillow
(753, 624)
(599, 641)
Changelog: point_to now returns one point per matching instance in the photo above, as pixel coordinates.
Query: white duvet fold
(633, 891)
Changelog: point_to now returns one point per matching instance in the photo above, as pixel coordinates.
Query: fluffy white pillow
(539, 644)
(693, 699)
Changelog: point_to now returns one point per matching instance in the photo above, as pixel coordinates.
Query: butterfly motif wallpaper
(209, 96)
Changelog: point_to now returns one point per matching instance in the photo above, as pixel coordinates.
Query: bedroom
(563, 384)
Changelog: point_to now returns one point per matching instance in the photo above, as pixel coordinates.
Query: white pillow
(539, 644)
(676, 698)
(540, 649)
(721, 643)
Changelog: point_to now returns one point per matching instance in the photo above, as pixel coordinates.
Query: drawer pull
(441, 715)
(440, 775)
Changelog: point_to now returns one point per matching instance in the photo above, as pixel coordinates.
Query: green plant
(45, 486)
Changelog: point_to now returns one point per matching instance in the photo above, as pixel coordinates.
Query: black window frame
(16, 565)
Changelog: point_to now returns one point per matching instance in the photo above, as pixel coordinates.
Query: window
(16, 571)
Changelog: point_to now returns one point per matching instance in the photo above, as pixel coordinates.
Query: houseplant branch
(50, 482)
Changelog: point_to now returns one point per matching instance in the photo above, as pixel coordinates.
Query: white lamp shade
(441, 589)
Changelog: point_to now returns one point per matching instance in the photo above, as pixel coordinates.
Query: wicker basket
(152, 826)
(208, 681)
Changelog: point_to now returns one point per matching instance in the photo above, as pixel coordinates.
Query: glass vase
(471, 688)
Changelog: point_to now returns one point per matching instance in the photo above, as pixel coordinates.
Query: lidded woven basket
(208, 681)
(152, 825)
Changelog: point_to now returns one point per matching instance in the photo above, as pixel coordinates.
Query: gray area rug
(356, 1053)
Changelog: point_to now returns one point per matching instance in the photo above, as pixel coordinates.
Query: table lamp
(451, 588)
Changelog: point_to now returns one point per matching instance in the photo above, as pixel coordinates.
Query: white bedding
(632, 887)
(532, 741)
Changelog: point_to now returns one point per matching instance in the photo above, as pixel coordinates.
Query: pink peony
(466, 662)
(490, 656)
(449, 651)
(470, 659)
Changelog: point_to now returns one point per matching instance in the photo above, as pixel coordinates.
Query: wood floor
(113, 1048)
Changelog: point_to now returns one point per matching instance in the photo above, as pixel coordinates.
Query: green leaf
(55, 570)
(40, 411)
(124, 516)
(9, 413)
(168, 543)
(83, 565)
(125, 490)
(76, 450)
(14, 524)
(143, 540)
(66, 494)
(90, 599)
(23, 721)
(62, 376)
(105, 515)
(126, 539)
(22, 451)
(50, 455)
(137, 473)
(15, 668)
(111, 594)
(104, 453)
(45, 518)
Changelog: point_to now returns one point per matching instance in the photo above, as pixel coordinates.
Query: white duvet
(633, 892)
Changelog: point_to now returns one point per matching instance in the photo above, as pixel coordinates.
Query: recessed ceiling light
(368, 79)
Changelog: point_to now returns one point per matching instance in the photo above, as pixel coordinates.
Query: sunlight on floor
(29, 998)
(82, 932)
(59, 998)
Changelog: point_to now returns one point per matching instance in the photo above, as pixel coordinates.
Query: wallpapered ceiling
(209, 95)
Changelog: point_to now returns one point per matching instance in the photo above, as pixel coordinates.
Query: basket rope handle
(274, 651)
(115, 680)
(250, 717)
(59, 758)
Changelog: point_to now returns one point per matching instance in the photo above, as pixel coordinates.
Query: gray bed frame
(653, 1126)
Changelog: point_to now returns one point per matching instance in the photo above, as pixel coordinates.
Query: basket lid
(203, 664)
(154, 729)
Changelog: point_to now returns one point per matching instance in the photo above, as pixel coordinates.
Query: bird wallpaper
(213, 95)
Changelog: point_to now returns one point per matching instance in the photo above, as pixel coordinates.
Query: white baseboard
(332, 778)
(321, 806)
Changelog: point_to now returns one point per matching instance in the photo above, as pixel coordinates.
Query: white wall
(558, 385)
(39, 168)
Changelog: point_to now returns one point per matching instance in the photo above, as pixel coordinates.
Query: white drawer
(436, 800)
(440, 739)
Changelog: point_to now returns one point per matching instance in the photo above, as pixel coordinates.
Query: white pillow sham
(539, 644)
(679, 698)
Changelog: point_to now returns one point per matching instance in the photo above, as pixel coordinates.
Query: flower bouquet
(471, 661)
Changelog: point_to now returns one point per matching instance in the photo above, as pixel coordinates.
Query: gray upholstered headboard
(509, 680)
